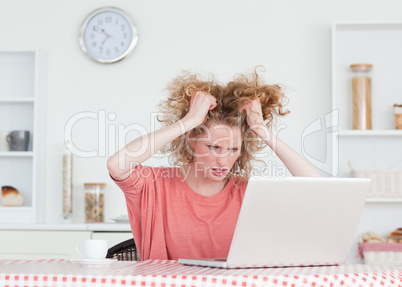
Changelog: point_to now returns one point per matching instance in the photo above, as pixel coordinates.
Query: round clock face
(108, 35)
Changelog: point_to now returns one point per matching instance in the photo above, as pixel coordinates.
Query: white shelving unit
(378, 44)
(22, 107)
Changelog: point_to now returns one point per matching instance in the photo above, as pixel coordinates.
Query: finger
(199, 93)
(212, 100)
(249, 113)
(256, 105)
(256, 102)
(211, 97)
(213, 106)
(245, 107)
(195, 94)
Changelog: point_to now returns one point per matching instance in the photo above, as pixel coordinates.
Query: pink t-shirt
(169, 220)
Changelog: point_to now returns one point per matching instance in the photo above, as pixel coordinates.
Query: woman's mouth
(219, 172)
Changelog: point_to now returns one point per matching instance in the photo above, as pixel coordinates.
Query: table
(59, 272)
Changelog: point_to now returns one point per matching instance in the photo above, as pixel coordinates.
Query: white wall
(290, 38)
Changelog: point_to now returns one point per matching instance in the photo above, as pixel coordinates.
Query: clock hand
(103, 31)
(104, 40)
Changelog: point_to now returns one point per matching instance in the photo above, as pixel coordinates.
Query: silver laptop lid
(297, 221)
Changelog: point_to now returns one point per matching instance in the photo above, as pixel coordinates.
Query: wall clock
(108, 35)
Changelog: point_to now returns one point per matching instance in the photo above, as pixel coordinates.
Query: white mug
(95, 249)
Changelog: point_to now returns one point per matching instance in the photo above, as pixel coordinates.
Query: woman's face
(215, 151)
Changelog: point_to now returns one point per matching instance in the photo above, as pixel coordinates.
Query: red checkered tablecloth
(170, 273)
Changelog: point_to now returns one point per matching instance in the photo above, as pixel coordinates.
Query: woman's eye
(213, 147)
(234, 149)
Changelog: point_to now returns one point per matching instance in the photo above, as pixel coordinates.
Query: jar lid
(361, 67)
(95, 184)
(397, 109)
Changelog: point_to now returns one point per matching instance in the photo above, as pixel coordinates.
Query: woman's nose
(222, 160)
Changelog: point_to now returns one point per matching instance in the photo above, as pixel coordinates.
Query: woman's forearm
(123, 162)
(293, 161)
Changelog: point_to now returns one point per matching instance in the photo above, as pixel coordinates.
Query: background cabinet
(22, 107)
(379, 44)
(23, 244)
(28, 244)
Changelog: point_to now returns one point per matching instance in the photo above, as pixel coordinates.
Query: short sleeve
(136, 181)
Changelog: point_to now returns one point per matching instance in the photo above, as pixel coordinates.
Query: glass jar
(94, 202)
(361, 95)
(67, 185)
(398, 116)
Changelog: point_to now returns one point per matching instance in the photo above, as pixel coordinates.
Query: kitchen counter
(68, 226)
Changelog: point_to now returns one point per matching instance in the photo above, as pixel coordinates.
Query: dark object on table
(124, 251)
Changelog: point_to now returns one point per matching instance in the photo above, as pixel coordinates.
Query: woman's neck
(200, 184)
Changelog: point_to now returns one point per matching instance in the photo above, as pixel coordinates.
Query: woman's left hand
(296, 164)
(255, 119)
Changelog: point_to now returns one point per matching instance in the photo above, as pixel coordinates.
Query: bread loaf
(396, 232)
(371, 237)
(11, 196)
(395, 236)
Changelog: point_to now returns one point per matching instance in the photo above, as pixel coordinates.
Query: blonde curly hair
(243, 89)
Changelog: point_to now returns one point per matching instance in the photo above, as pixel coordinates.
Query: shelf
(353, 133)
(384, 200)
(16, 208)
(16, 100)
(362, 26)
(16, 214)
(376, 43)
(16, 153)
(22, 107)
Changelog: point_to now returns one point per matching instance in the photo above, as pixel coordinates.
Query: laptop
(296, 221)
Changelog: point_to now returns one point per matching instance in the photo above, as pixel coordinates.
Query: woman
(212, 133)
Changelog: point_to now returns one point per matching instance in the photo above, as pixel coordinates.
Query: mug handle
(9, 139)
(77, 247)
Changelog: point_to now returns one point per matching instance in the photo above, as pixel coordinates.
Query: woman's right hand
(201, 103)
(123, 162)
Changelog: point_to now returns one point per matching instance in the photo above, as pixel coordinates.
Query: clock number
(108, 52)
(108, 20)
(94, 44)
(100, 22)
(92, 35)
(116, 50)
(100, 50)
(122, 27)
(124, 35)
(122, 44)
(95, 28)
